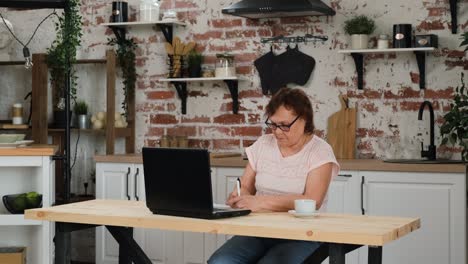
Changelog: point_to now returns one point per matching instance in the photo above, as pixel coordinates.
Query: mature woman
(291, 163)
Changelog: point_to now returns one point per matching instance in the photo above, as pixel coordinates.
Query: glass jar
(17, 114)
(225, 65)
(149, 10)
(382, 42)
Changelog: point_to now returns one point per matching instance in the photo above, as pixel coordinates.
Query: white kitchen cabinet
(20, 174)
(438, 199)
(126, 181)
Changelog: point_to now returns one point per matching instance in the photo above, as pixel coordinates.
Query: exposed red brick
(171, 107)
(149, 107)
(229, 46)
(430, 25)
(439, 94)
(247, 142)
(151, 143)
(198, 94)
(370, 107)
(247, 131)
(375, 56)
(163, 119)
(338, 82)
(158, 95)
(199, 143)
(226, 144)
(207, 35)
(250, 94)
(196, 119)
(155, 131)
(100, 20)
(227, 107)
(245, 57)
(241, 34)
(258, 23)
(455, 54)
(254, 118)
(295, 20)
(244, 69)
(459, 63)
(361, 132)
(229, 119)
(264, 33)
(368, 93)
(364, 145)
(437, 11)
(185, 4)
(140, 62)
(404, 92)
(414, 106)
(372, 132)
(189, 131)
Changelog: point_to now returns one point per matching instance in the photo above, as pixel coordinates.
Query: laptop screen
(177, 180)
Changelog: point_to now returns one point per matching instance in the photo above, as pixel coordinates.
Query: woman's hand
(245, 201)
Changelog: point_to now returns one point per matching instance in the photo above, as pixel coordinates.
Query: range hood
(278, 8)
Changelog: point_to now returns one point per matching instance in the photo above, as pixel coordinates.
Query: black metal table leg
(337, 253)
(62, 240)
(375, 255)
(129, 250)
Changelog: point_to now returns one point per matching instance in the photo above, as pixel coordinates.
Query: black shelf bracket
(167, 31)
(359, 62)
(181, 88)
(233, 89)
(421, 59)
(453, 14)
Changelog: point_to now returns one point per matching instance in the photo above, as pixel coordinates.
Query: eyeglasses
(284, 128)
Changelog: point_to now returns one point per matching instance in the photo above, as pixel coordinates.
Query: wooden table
(336, 229)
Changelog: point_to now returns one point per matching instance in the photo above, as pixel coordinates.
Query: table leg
(337, 253)
(128, 246)
(375, 255)
(62, 245)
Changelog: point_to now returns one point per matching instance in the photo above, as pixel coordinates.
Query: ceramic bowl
(11, 138)
(17, 203)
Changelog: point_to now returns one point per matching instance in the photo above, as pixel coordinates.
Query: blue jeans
(246, 250)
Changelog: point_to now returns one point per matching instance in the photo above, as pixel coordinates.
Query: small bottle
(382, 43)
(149, 10)
(17, 114)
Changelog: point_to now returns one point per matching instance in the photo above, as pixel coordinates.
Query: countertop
(32, 150)
(349, 164)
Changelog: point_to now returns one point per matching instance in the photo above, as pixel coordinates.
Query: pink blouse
(277, 175)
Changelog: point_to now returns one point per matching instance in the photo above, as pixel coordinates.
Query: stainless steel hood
(278, 8)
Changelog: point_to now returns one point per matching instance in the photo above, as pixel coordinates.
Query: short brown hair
(296, 100)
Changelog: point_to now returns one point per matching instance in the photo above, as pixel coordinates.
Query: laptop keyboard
(221, 207)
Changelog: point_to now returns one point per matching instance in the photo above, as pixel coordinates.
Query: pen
(238, 184)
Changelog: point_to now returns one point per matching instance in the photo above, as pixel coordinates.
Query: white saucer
(293, 212)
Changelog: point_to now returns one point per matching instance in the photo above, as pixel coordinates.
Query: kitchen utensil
(402, 35)
(17, 203)
(342, 130)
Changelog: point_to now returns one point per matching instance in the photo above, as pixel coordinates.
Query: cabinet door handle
(362, 195)
(136, 184)
(128, 193)
(345, 175)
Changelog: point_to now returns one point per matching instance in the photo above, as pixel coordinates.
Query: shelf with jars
(166, 27)
(420, 53)
(225, 71)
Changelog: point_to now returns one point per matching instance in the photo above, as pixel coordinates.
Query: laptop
(178, 183)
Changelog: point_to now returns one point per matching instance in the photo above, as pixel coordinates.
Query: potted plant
(194, 60)
(455, 126)
(60, 57)
(359, 28)
(126, 59)
(81, 112)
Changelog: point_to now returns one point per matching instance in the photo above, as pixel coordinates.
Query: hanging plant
(62, 53)
(126, 59)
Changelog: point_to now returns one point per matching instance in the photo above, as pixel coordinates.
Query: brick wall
(387, 107)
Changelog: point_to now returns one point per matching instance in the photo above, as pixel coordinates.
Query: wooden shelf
(91, 61)
(76, 130)
(181, 86)
(19, 63)
(358, 57)
(167, 28)
(17, 220)
(139, 23)
(385, 50)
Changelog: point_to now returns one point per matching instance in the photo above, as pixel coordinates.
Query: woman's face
(283, 116)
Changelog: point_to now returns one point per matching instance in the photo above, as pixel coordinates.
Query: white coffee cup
(304, 206)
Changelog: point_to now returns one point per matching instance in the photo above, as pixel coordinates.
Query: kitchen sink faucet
(431, 152)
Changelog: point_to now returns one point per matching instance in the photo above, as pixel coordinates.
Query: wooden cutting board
(342, 130)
